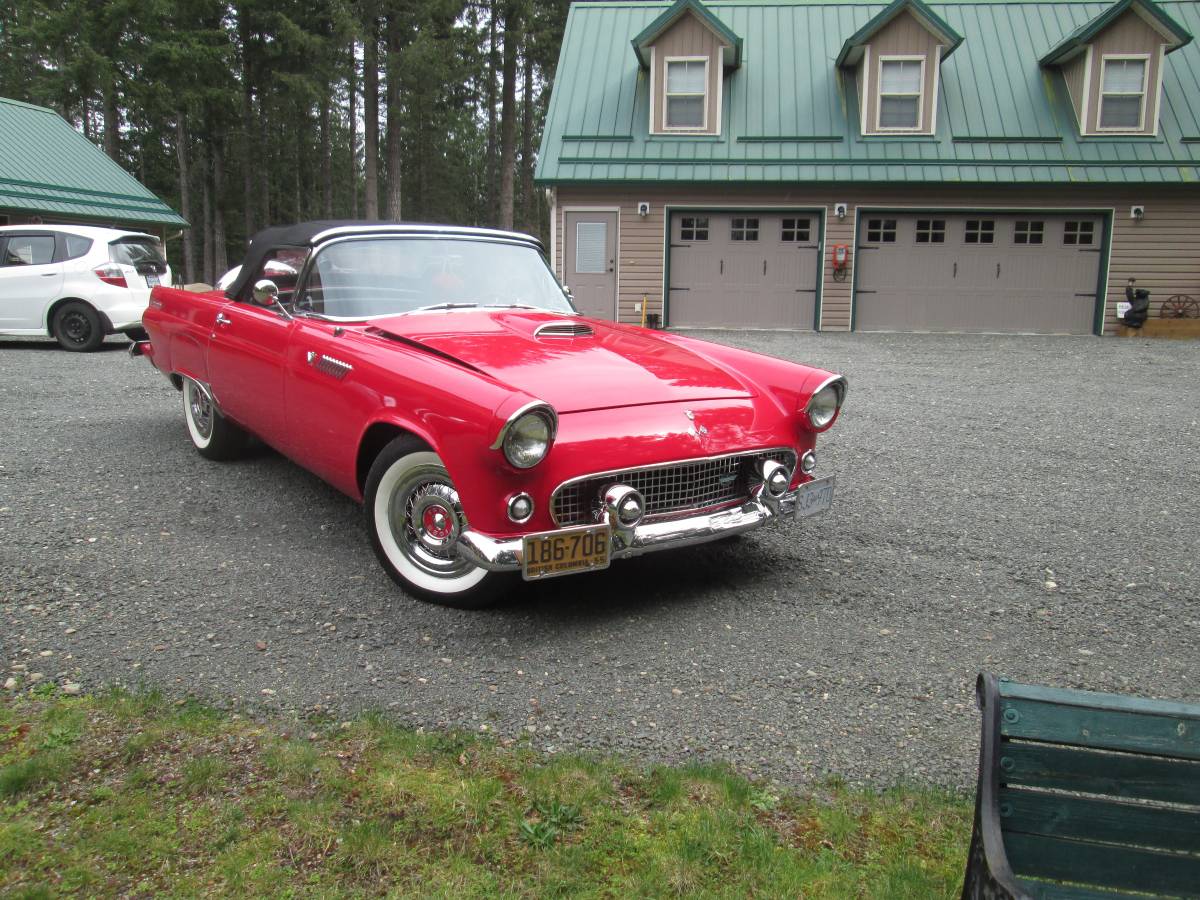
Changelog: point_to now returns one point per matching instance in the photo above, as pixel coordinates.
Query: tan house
(840, 165)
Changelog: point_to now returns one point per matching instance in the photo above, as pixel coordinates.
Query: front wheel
(414, 518)
(77, 327)
(211, 433)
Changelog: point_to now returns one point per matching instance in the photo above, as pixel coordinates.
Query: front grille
(669, 490)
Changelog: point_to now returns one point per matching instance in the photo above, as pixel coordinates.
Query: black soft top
(301, 235)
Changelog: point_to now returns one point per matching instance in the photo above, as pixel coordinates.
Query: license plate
(814, 497)
(565, 552)
(151, 280)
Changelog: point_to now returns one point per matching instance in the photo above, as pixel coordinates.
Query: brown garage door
(977, 272)
(744, 269)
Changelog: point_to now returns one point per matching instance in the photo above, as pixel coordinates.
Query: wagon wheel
(1180, 306)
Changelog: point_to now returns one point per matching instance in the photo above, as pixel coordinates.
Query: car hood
(612, 366)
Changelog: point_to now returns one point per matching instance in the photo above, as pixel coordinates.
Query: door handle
(955, 275)
(764, 267)
(223, 319)
(49, 274)
(722, 267)
(997, 270)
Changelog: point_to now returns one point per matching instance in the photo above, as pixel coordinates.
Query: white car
(76, 283)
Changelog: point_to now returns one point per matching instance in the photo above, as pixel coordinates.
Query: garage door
(1024, 273)
(742, 270)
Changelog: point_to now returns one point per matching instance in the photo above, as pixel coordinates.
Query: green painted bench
(1084, 795)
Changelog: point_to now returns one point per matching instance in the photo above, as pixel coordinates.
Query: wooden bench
(1084, 795)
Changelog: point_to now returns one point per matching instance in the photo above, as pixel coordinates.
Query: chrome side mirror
(266, 292)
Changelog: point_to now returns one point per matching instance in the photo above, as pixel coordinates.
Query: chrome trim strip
(563, 329)
(662, 465)
(528, 407)
(436, 230)
(505, 555)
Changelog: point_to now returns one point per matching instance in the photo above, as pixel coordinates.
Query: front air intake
(563, 329)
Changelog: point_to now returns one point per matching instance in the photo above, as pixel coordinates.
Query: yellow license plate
(565, 552)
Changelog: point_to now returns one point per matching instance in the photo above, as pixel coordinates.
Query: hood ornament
(699, 430)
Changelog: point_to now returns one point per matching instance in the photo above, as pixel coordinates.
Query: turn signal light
(111, 275)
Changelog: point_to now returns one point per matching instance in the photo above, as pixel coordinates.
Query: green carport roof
(47, 167)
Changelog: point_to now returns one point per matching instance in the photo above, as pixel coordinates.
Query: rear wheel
(211, 433)
(77, 327)
(414, 517)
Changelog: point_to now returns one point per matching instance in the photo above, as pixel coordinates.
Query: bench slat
(1174, 736)
(1049, 890)
(1097, 700)
(1089, 819)
(1100, 772)
(1126, 868)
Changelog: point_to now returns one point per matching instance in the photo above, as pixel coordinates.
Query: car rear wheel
(211, 433)
(77, 327)
(414, 518)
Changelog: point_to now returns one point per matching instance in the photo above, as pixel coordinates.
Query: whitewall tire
(214, 436)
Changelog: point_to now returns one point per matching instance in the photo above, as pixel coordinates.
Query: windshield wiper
(441, 306)
(509, 306)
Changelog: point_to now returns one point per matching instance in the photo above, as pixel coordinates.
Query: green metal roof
(790, 115)
(47, 167)
(926, 16)
(651, 32)
(1151, 12)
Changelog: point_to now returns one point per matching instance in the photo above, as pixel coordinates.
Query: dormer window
(687, 93)
(901, 80)
(1123, 93)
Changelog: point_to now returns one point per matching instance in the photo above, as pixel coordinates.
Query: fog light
(808, 462)
(520, 508)
(625, 505)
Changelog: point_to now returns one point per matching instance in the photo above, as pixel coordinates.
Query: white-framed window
(901, 93)
(685, 100)
(1123, 82)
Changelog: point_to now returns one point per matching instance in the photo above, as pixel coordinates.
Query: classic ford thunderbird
(442, 376)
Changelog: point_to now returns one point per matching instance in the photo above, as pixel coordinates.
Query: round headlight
(824, 406)
(528, 440)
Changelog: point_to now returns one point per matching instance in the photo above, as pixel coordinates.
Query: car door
(247, 353)
(30, 280)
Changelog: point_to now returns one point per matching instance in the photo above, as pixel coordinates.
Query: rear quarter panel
(180, 324)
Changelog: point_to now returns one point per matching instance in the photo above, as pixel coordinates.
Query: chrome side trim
(528, 407)
(661, 465)
(328, 365)
(505, 555)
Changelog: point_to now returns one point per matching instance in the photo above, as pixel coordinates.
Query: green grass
(129, 794)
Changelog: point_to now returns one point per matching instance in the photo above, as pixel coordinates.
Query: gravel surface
(1023, 505)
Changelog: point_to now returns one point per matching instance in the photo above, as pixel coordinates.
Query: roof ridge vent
(563, 329)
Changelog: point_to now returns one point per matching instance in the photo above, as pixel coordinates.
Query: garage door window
(881, 231)
(744, 230)
(795, 230)
(1076, 233)
(980, 231)
(693, 228)
(931, 231)
(1028, 232)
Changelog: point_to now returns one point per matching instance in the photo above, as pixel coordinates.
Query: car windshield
(387, 276)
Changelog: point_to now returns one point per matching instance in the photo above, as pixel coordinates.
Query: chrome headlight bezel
(823, 407)
(536, 424)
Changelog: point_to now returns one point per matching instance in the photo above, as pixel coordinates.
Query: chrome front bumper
(505, 555)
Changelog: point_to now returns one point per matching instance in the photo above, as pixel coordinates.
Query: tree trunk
(326, 156)
(206, 270)
(491, 163)
(528, 208)
(250, 160)
(112, 121)
(393, 116)
(371, 118)
(220, 252)
(185, 199)
(352, 90)
(508, 112)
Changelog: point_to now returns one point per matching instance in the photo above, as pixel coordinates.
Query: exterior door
(29, 280)
(978, 272)
(590, 262)
(744, 269)
(246, 358)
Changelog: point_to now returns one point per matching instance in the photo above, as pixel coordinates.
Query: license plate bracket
(566, 551)
(814, 497)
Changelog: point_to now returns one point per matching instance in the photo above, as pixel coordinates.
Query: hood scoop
(563, 329)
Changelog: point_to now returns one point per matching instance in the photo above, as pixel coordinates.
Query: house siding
(903, 36)
(1074, 74)
(1162, 250)
(687, 37)
(1129, 34)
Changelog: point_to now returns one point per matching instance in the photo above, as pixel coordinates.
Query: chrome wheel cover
(200, 409)
(426, 518)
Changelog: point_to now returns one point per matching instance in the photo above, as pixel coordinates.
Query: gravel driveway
(1024, 505)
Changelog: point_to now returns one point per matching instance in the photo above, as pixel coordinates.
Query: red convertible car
(442, 376)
